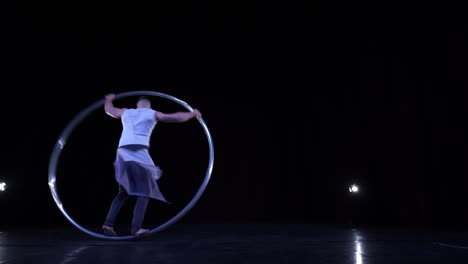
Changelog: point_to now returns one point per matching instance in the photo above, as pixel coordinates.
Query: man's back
(137, 126)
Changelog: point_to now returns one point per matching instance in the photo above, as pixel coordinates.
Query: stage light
(2, 186)
(358, 248)
(353, 188)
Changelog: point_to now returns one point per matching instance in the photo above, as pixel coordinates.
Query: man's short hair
(144, 98)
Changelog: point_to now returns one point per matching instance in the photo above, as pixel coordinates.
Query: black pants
(138, 211)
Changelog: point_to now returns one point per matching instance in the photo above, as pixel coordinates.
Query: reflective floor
(238, 244)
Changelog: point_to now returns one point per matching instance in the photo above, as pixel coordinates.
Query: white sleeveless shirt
(138, 125)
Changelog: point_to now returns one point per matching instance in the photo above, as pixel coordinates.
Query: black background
(301, 98)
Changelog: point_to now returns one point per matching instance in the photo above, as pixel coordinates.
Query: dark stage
(234, 243)
(302, 100)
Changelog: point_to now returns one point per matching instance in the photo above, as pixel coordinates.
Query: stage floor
(243, 243)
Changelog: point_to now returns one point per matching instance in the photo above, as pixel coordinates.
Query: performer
(135, 171)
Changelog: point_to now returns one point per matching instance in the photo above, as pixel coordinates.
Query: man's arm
(177, 117)
(110, 109)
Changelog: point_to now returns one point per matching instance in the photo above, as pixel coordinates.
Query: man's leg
(139, 214)
(114, 210)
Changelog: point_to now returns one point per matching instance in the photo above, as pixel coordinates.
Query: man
(135, 171)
